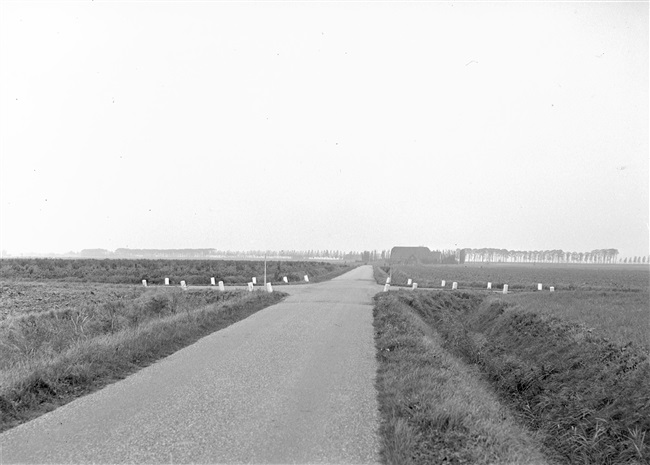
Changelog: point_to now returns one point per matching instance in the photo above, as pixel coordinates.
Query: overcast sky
(323, 125)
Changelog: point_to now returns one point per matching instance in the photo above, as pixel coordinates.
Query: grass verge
(587, 396)
(434, 409)
(36, 385)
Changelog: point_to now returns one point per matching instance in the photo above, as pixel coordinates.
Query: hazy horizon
(347, 126)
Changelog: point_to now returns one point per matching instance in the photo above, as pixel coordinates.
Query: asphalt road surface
(294, 383)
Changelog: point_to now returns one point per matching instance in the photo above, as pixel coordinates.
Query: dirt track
(293, 383)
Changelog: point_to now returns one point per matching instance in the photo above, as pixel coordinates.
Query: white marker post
(221, 286)
(489, 286)
(250, 287)
(454, 285)
(269, 288)
(505, 288)
(415, 286)
(144, 282)
(552, 288)
(254, 280)
(443, 283)
(286, 280)
(183, 285)
(212, 282)
(166, 281)
(386, 287)
(539, 286)
(409, 282)
(306, 278)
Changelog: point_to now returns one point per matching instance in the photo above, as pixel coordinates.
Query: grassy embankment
(586, 395)
(434, 408)
(48, 358)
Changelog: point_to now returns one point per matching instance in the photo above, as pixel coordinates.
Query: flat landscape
(463, 376)
(526, 276)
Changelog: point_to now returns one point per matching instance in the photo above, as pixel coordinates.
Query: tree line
(541, 256)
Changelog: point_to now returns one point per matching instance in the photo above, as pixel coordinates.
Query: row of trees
(540, 256)
(327, 254)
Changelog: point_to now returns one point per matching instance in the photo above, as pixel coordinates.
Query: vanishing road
(294, 383)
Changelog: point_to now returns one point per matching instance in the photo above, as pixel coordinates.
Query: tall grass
(50, 358)
(433, 408)
(588, 396)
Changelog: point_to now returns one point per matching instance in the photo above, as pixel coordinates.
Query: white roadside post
(415, 286)
(552, 288)
(539, 286)
(454, 285)
(489, 286)
(166, 281)
(505, 288)
(443, 283)
(250, 287)
(386, 287)
(254, 280)
(183, 285)
(144, 282)
(306, 278)
(269, 288)
(212, 282)
(286, 280)
(409, 282)
(221, 286)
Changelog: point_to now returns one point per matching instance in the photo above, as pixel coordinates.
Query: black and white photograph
(336, 232)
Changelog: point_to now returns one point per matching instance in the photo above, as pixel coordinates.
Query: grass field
(622, 317)
(193, 272)
(62, 340)
(525, 276)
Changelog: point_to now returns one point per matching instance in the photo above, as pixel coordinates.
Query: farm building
(413, 256)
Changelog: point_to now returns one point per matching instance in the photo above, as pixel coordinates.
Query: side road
(292, 383)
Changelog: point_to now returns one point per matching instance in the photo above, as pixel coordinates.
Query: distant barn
(413, 256)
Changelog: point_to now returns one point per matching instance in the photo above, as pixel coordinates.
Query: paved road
(293, 383)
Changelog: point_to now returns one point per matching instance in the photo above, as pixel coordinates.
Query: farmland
(573, 365)
(193, 272)
(68, 327)
(526, 276)
(60, 340)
